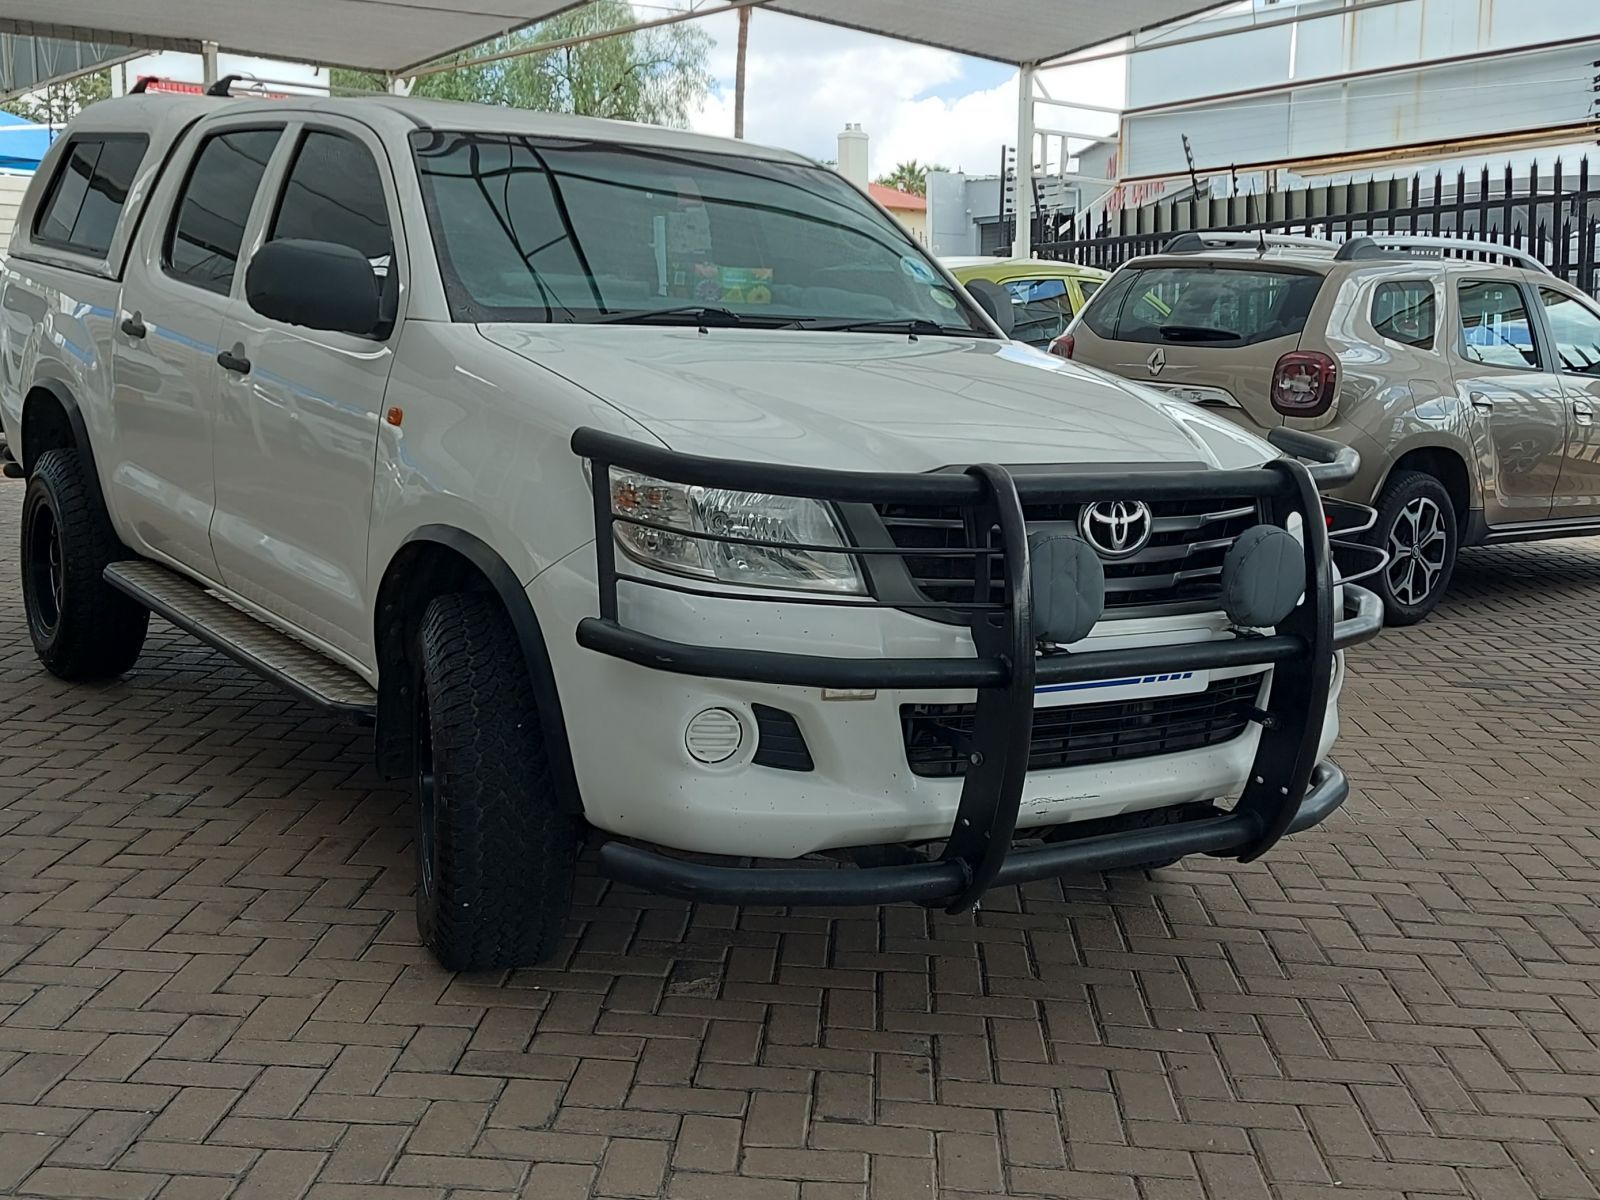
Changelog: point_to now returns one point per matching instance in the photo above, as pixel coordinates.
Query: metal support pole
(1022, 242)
(739, 71)
(208, 63)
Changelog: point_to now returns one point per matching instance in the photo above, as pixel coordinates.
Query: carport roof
(393, 35)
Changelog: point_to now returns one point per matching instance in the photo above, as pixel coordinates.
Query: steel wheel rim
(427, 797)
(1418, 543)
(45, 565)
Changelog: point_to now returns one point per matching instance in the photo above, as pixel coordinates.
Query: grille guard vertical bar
(1002, 733)
(1286, 755)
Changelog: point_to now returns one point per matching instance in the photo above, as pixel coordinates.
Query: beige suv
(1465, 374)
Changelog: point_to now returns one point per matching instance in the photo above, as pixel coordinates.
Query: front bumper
(941, 882)
(1286, 785)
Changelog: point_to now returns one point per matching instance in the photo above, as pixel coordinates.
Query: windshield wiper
(1197, 333)
(683, 314)
(911, 327)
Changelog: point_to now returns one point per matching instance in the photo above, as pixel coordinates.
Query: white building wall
(12, 186)
(1511, 93)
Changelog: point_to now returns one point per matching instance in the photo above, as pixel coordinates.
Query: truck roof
(150, 110)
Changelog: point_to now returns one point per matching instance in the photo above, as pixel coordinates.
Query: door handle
(1583, 411)
(1481, 401)
(133, 325)
(233, 362)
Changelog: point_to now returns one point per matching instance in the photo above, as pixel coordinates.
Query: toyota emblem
(1116, 528)
(1157, 362)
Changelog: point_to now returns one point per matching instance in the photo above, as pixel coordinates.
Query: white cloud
(807, 80)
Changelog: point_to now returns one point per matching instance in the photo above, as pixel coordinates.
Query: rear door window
(1495, 329)
(1041, 309)
(203, 243)
(85, 199)
(1225, 306)
(1405, 312)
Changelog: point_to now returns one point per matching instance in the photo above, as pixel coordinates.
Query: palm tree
(910, 177)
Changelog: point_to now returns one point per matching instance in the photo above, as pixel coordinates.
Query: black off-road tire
(1410, 587)
(83, 629)
(495, 851)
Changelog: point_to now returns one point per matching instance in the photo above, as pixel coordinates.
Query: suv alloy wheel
(1416, 527)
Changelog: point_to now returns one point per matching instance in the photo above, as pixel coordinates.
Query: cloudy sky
(807, 80)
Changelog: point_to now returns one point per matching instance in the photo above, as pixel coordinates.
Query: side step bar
(249, 642)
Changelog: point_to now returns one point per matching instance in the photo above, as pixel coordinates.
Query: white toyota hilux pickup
(652, 490)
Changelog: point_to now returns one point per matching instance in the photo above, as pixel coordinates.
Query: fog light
(714, 735)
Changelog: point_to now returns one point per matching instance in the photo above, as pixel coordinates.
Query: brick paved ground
(209, 985)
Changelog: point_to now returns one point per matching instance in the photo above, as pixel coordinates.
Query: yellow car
(1044, 294)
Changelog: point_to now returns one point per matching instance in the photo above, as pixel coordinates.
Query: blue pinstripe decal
(1106, 683)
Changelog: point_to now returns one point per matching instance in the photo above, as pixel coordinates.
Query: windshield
(548, 230)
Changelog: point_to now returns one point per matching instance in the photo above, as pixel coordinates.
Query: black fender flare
(80, 432)
(536, 655)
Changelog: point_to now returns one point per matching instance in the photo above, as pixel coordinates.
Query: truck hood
(863, 401)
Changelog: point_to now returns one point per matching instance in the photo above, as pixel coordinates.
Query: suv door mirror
(318, 285)
(995, 301)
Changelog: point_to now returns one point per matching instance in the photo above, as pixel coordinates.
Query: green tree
(654, 75)
(910, 177)
(58, 103)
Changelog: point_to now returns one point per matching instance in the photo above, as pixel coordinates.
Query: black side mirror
(995, 301)
(319, 285)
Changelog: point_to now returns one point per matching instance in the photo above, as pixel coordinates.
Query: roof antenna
(1262, 233)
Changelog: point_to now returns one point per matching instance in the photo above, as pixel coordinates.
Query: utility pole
(738, 72)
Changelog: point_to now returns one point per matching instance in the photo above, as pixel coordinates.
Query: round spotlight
(713, 735)
(1069, 587)
(1263, 577)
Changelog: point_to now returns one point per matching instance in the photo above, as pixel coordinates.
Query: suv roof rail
(1196, 242)
(1413, 243)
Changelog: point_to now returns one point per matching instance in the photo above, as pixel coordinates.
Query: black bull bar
(1288, 789)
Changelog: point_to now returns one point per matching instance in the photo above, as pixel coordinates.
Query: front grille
(1081, 735)
(1180, 568)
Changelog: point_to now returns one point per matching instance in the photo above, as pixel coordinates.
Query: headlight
(669, 507)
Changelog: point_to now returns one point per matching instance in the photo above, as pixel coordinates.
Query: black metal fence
(1553, 215)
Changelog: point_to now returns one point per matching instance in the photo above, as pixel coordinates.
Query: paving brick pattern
(209, 984)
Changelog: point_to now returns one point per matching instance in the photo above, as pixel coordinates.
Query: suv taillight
(1063, 346)
(1303, 383)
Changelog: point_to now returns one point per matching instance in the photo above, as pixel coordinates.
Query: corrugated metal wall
(26, 60)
